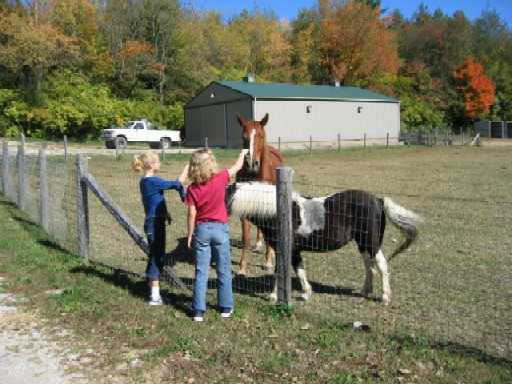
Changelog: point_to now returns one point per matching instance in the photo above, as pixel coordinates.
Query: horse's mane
(276, 156)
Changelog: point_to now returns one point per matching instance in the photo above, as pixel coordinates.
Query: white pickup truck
(139, 131)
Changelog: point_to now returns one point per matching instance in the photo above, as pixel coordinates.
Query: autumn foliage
(76, 66)
(357, 43)
(478, 90)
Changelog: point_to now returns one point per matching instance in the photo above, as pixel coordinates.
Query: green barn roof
(295, 91)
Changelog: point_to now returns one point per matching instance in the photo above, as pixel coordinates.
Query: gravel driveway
(27, 354)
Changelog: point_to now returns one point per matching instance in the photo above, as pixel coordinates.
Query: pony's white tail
(405, 221)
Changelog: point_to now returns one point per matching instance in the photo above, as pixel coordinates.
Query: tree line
(77, 66)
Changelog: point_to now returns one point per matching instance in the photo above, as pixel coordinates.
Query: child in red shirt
(208, 231)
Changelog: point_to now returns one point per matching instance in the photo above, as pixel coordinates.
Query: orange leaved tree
(476, 88)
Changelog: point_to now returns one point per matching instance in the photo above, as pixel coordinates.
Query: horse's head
(255, 139)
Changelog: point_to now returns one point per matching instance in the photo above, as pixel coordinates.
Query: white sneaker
(226, 312)
(157, 301)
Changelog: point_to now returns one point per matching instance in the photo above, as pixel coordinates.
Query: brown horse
(260, 165)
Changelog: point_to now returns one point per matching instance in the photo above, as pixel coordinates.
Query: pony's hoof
(385, 300)
(305, 296)
(257, 249)
(241, 274)
(272, 297)
(269, 268)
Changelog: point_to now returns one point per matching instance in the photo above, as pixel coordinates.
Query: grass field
(449, 320)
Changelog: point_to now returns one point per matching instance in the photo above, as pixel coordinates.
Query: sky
(290, 8)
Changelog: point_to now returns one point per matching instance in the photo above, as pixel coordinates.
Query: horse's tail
(405, 221)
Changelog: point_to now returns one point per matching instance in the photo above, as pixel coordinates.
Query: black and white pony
(328, 223)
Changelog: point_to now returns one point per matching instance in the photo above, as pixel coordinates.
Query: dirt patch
(32, 352)
(27, 354)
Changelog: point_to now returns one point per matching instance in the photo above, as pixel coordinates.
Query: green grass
(446, 318)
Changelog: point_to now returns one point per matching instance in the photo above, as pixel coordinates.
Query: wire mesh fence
(453, 286)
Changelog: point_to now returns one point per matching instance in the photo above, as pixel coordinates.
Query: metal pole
(66, 147)
(82, 202)
(43, 188)
(21, 176)
(284, 234)
(5, 169)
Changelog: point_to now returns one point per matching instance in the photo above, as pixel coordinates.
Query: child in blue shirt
(152, 190)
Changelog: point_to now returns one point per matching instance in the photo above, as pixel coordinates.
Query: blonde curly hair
(202, 166)
(142, 162)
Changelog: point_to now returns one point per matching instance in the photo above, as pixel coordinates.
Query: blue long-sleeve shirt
(152, 191)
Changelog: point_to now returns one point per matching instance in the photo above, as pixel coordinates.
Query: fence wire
(452, 286)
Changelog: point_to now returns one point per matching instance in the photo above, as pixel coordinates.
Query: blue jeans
(154, 227)
(212, 239)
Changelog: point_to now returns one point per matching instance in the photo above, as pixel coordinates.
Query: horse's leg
(382, 265)
(246, 240)
(298, 267)
(306, 287)
(273, 295)
(259, 242)
(269, 253)
(369, 272)
(270, 256)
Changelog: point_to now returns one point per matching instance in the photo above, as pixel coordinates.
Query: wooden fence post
(163, 151)
(66, 147)
(82, 211)
(284, 234)
(21, 176)
(43, 189)
(5, 169)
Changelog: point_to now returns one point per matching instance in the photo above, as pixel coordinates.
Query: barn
(298, 113)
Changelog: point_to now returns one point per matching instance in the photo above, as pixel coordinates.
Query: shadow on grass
(179, 298)
(180, 254)
(253, 286)
(8, 203)
(51, 245)
(134, 284)
(25, 221)
(453, 348)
